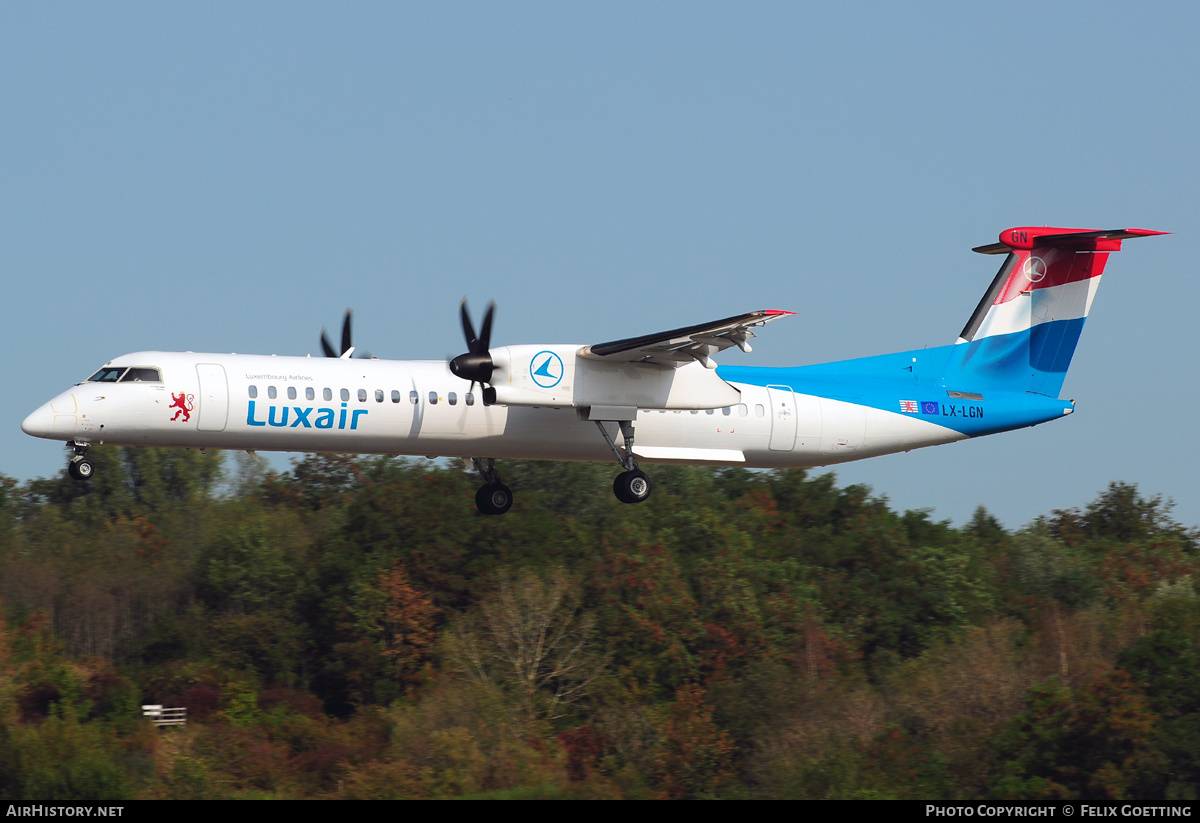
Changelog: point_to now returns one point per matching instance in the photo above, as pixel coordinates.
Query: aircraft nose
(40, 423)
(56, 420)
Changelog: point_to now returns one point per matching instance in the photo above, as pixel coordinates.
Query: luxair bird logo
(1035, 269)
(184, 404)
(546, 369)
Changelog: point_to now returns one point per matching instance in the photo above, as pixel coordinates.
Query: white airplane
(572, 402)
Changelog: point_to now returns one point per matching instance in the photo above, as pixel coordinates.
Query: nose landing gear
(494, 498)
(80, 468)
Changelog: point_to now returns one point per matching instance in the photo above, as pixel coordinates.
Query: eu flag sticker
(929, 407)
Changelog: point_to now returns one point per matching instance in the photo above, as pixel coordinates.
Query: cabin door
(214, 397)
(783, 417)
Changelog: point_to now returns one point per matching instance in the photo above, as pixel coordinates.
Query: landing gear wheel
(632, 487)
(494, 498)
(80, 468)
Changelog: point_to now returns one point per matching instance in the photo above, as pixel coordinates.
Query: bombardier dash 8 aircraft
(572, 402)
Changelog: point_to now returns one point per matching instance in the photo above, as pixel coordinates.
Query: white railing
(165, 717)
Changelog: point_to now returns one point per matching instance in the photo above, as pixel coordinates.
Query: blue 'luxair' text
(278, 417)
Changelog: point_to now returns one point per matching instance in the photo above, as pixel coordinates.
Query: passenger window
(433, 398)
(362, 395)
(759, 411)
(710, 411)
(413, 397)
(271, 392)
(345, 395)
(742, 410)
(694, 411)
(253, 390)
(291, 392)
(470, 399)
(395, 396)
(309, 394)
(379, 395)
(453, 398)
(726, 411)
(327, 394)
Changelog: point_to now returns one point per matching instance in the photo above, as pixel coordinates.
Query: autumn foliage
(355, 629)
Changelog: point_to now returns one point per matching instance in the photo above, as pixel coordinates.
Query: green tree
(1096, 741)
(65, 760)
(1165, 662)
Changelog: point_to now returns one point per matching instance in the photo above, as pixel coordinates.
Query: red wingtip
(1144, 232)
(776, 312)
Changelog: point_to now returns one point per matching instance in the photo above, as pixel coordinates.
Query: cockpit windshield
(107, 375)
(123, 374)
(141, 374)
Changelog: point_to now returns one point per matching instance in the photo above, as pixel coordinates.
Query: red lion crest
(184, 404)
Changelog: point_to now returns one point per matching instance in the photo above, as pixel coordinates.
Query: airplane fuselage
(805, 416)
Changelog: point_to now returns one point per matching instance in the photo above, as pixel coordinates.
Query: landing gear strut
(493, 497)
(631, 485)
(80, 468)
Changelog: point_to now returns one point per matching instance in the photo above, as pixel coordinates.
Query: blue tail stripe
(1052, 349)
(1033, 360)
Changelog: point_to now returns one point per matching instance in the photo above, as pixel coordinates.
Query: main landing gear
(493, 497)
(80, 468)
(631, 485)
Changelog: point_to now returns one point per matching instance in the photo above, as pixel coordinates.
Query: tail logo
(1035, 269)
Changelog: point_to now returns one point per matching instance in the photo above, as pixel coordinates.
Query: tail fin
(1024, 331)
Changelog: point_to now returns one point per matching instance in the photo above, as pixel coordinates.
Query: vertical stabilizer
(1023, 333)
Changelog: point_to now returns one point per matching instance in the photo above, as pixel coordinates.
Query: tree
(1120, 514)
(649, 615)
(399, 619)
(1090, 742)
(695, 757)
(531, 635)
(1165, 662)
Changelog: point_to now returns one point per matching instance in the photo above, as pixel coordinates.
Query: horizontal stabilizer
(1028, 238)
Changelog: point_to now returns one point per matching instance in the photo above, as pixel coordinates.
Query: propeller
(476, 363)
(347, 349)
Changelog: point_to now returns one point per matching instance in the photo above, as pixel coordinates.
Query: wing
(679, 347)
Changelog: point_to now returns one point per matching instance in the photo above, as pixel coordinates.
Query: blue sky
(231, 177)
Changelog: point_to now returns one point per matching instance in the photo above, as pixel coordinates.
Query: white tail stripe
(1070, 301)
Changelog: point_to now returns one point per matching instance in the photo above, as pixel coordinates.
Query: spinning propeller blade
(347, 345)
(476, 363)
